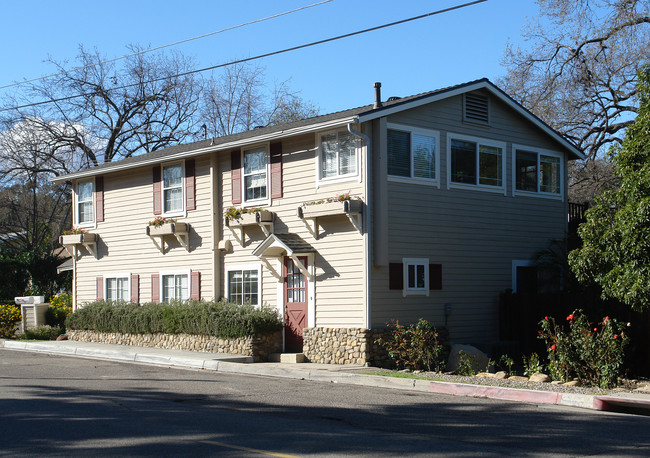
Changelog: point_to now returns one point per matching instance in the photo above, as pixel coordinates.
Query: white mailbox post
(32, 309)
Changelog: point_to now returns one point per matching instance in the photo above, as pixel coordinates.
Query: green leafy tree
(616, 235)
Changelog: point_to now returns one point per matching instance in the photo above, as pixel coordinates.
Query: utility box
(32, 310)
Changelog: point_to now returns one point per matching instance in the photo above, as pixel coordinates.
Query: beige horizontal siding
(339, 261)
(124, 246)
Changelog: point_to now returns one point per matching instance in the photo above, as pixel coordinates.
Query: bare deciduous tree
(237, 101)
(106, 112)
(579, 73)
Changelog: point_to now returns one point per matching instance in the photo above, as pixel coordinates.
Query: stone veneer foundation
(259, 347)
(351, 346)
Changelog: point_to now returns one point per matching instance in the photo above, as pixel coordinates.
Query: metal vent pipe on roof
(377, 95)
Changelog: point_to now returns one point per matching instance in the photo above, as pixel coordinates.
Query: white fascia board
(210, 149)
(461, 90)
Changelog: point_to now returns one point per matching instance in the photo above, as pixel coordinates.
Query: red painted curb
(493, 392)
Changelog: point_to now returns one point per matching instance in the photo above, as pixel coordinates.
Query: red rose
(570, 317)
(615, 336)
(553, 347)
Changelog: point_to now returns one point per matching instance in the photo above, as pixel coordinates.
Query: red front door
(295, 305)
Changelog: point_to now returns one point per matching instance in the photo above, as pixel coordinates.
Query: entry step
(293, 358)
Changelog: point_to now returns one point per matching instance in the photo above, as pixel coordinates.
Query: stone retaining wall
(351, 346)
(259, 347)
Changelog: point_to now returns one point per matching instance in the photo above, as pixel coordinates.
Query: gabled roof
(354, 115)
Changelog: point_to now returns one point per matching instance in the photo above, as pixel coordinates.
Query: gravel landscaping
(626, 385)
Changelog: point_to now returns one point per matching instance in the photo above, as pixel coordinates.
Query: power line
(260, 56)
(167, 45)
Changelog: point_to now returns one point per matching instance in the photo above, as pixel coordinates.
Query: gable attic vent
(476, 108)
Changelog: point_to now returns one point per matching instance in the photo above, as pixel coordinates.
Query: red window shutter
(155, 288)
(195, 285)
(395, 275)
(135, 288)
(157, 191)
(276, 170)
(235, 176)
(99, 199)
(435, 276)
(100, 288)
(190, 185)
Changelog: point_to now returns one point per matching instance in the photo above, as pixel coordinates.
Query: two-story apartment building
(453, 192)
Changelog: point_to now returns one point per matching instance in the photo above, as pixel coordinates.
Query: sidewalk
(624, 402)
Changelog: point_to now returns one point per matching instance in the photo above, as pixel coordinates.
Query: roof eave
(118, 166)
(481, 84)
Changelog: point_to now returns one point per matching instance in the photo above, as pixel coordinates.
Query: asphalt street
(64, 406)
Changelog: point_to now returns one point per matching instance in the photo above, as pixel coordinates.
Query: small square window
(416, 276)
(243, 284)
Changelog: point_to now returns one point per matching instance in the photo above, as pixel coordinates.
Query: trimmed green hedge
(219, 319)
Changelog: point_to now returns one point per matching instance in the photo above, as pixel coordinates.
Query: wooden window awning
(350, 208)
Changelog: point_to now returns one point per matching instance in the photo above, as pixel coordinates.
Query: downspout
(366, 218)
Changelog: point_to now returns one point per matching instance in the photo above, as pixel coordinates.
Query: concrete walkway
(623, 402)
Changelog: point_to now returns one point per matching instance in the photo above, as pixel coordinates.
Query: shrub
(465, 366)
(591, 352)
(506, 364)
(414, 347)
(9, 317)
(60, 308)
(42, 333)
(532, 364)
(220, 319)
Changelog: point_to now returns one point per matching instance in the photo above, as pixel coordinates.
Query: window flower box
(77, 239)
(168, 229)
(330, 209)
(250, 219)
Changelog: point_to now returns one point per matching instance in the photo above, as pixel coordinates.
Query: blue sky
(415, 57)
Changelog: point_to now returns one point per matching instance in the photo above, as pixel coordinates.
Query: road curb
(241, 366)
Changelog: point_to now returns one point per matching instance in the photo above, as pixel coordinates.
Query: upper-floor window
(172, 187)
(539, 172)
(85, 211)
(255, 173)
(476, 162)
(412, 152)
(338, 155)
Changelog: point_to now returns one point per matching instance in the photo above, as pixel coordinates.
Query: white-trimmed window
(85, 203)
(413, 152)
(255, 180)
(524, 277)
(172, 189)
(416, 276)
(243, 284)
(537, 171)
(476, 163)
(175, 286)
(117, 287)
(337, 155)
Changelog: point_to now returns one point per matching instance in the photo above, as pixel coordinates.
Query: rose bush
(591, 352)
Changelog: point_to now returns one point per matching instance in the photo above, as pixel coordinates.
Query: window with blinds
(412, 153)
